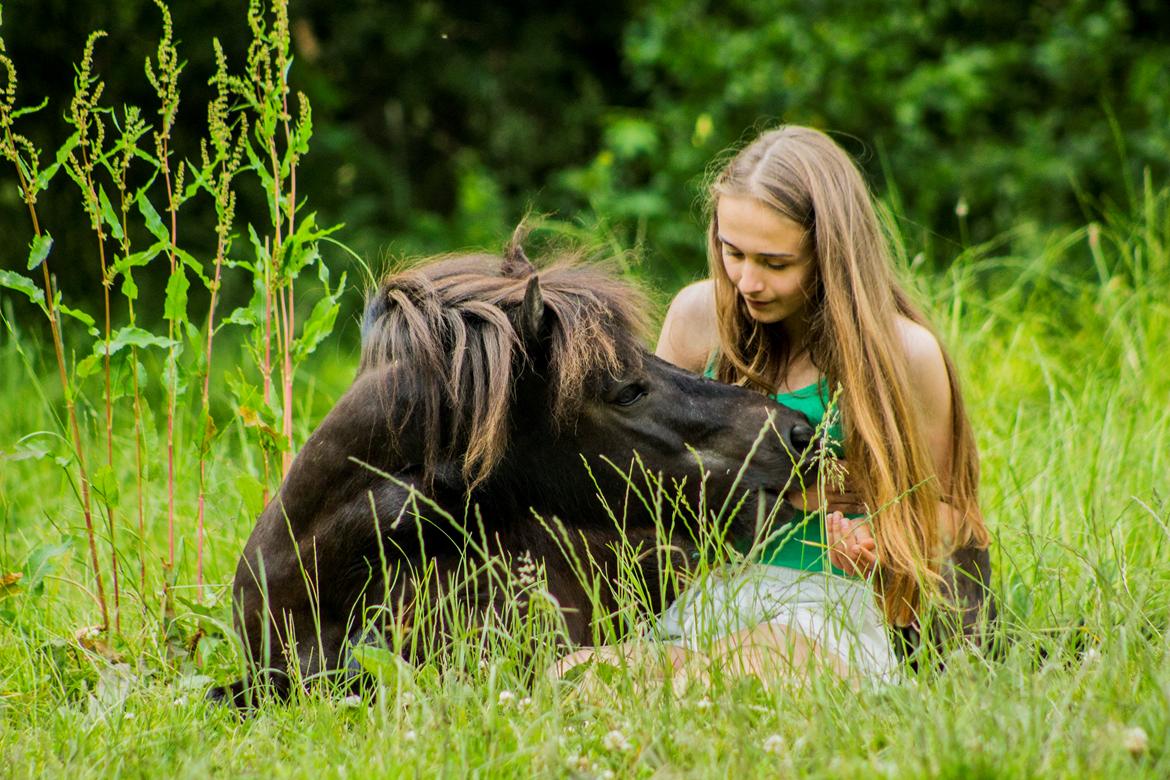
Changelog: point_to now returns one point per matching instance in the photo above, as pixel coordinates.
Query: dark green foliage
(439, 123)
(989, 113)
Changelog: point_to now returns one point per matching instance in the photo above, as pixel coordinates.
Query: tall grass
(1061, 343)
(1061, 349)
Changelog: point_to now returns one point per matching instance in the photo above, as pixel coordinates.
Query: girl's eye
(777, 266)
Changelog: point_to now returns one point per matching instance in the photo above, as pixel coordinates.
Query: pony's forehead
(576, 291)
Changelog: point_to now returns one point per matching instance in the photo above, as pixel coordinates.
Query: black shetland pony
(485, 386)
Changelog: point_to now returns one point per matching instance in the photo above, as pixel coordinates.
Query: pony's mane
(450, 328)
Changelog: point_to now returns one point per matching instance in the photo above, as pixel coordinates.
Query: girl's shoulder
(922, 348)
(927, 369)
(690, 332)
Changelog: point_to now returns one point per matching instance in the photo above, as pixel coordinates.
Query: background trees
(440, 123)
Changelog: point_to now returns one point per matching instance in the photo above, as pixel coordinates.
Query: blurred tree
(439, 122)
(971, 117)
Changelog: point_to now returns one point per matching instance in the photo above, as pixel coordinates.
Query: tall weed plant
(131, 184)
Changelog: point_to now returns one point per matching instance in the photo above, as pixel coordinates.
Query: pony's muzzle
(800, 437)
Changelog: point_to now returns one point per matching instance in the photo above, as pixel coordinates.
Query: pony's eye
(630, 394)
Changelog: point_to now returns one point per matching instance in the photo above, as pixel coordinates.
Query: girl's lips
(755, 304)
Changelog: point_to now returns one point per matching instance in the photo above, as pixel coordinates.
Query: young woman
(803, 303)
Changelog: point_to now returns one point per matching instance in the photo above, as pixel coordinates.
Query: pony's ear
(532, 312)
(516, 263)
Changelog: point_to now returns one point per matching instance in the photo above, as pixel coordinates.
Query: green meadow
(1067, 384)
(1061, 335)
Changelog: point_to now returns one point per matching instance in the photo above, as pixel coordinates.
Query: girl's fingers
(868, 562)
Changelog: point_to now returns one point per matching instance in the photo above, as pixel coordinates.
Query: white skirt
(838, 614)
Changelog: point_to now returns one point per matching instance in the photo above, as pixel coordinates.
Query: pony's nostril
(801, 436)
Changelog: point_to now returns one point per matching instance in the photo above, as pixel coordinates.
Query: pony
(502, 398)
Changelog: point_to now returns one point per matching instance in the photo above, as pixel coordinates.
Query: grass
(1062, 349)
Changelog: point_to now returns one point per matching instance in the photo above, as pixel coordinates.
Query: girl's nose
(750, 280)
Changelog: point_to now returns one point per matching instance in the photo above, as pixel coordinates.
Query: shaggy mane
(450, 328)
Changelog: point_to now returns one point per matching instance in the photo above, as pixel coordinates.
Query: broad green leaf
(128, 336)
(304, 131)
(109, 216)
(90, 365)
(251, 491)
(42, 561)
(252, 314)
(175, 308)
(214, 620)
(105, 483)
(29, 450)
(129, 288)
(38, 250)
(262, 255)
(46, 175)
(317, 327)
(22, 284)
(78, 315)
(131, 336)
(135, 259)
(307, 230)
(129, 371)
(209, 432)
(383, 665)
(258, 167)
(154, 222)
(189, 260)
(297, 258)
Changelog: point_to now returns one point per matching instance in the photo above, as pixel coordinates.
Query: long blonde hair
(853, 340)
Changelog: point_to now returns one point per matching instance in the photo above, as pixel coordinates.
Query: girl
(802, 300)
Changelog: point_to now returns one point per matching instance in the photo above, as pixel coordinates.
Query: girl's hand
(851, 545)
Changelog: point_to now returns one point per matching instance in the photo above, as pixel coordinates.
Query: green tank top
(800, 543)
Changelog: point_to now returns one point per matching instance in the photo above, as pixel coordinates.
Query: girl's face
(766, 257)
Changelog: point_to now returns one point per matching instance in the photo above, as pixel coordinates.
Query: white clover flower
(579, 763)
(506, 698)
(409, 736)
(1135, 740)
(615, 740)
(774, 744)
(526, 702)
(351, 701)
(607, 775)
(703, 704)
